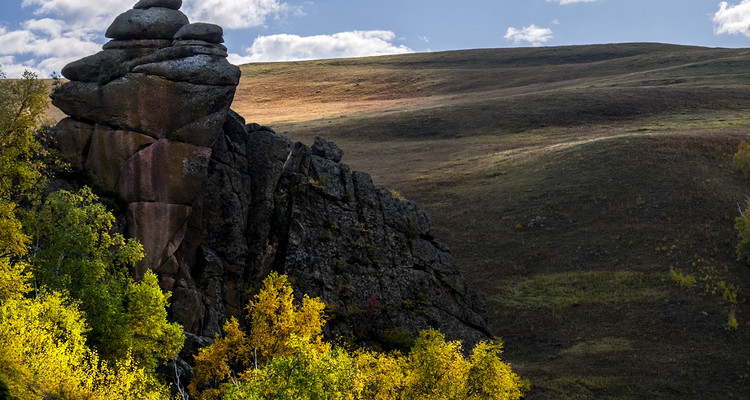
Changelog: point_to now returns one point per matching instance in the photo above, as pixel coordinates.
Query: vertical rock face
(218, 203)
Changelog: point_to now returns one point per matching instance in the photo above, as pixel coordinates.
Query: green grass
(574, 288)
(567, 182)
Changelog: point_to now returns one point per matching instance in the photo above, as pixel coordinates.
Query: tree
(81, 257)
(23, 103)
(22, 106)
(275, 319)
(436, 369)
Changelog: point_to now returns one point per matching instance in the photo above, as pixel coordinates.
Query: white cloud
(91, 14)
(532, 34)
(733, 19)
(66, 30)
(236, 14)
(563, 2)
(286, 47)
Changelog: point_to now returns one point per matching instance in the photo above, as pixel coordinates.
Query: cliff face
(218, 203)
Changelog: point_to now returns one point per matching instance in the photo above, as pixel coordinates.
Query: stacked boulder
(144, 113)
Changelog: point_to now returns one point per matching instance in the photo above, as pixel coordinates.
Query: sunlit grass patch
(565, 289)
(598, 347)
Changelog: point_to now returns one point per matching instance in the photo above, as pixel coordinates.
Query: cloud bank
(531, 34)
(733, 19)
(236, 14)
(286, 47)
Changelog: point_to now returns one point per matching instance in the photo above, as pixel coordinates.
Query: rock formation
(218, 203)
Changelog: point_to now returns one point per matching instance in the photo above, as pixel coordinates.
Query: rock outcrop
(218, 203)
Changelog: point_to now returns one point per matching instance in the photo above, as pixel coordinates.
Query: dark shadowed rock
(73, 137)
(146, 45)
(197, 44)
(145, 4)
(326, 149)
(109, 151)
(151, 105)
(153, 23)
(164, 172)
(95, 67)
(199, 69)
(201, 31)
(160, 227)
(368, 254)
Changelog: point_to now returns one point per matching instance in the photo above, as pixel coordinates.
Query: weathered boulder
(199, 69)
(145, 4)
(97, 66)
(161, 228)
(109, 151)
(152, 23)
(164, 172)
(152, 105)
(201, 31)
(73, 137)
(146, 45)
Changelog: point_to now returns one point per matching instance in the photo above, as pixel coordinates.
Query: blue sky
(44, 35)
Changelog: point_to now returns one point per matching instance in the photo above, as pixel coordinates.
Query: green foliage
(150, 336)
(677, 277)
(23, 103)
(296, 363)
(742, 225)
(79, 256)
(741, 159)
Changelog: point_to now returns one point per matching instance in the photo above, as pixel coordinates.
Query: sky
(42, 36)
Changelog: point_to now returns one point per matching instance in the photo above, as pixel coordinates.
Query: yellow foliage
(275, 319)
(489, 377)
(212, 364)
(43, 354)
(294, 362)
(13, 279)
(436, 369)
(379, 376)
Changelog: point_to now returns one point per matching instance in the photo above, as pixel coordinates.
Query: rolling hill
(568, 182)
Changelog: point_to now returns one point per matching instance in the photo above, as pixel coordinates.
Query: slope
(567, 181)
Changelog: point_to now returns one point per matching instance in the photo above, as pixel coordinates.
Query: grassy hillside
(567, 181)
